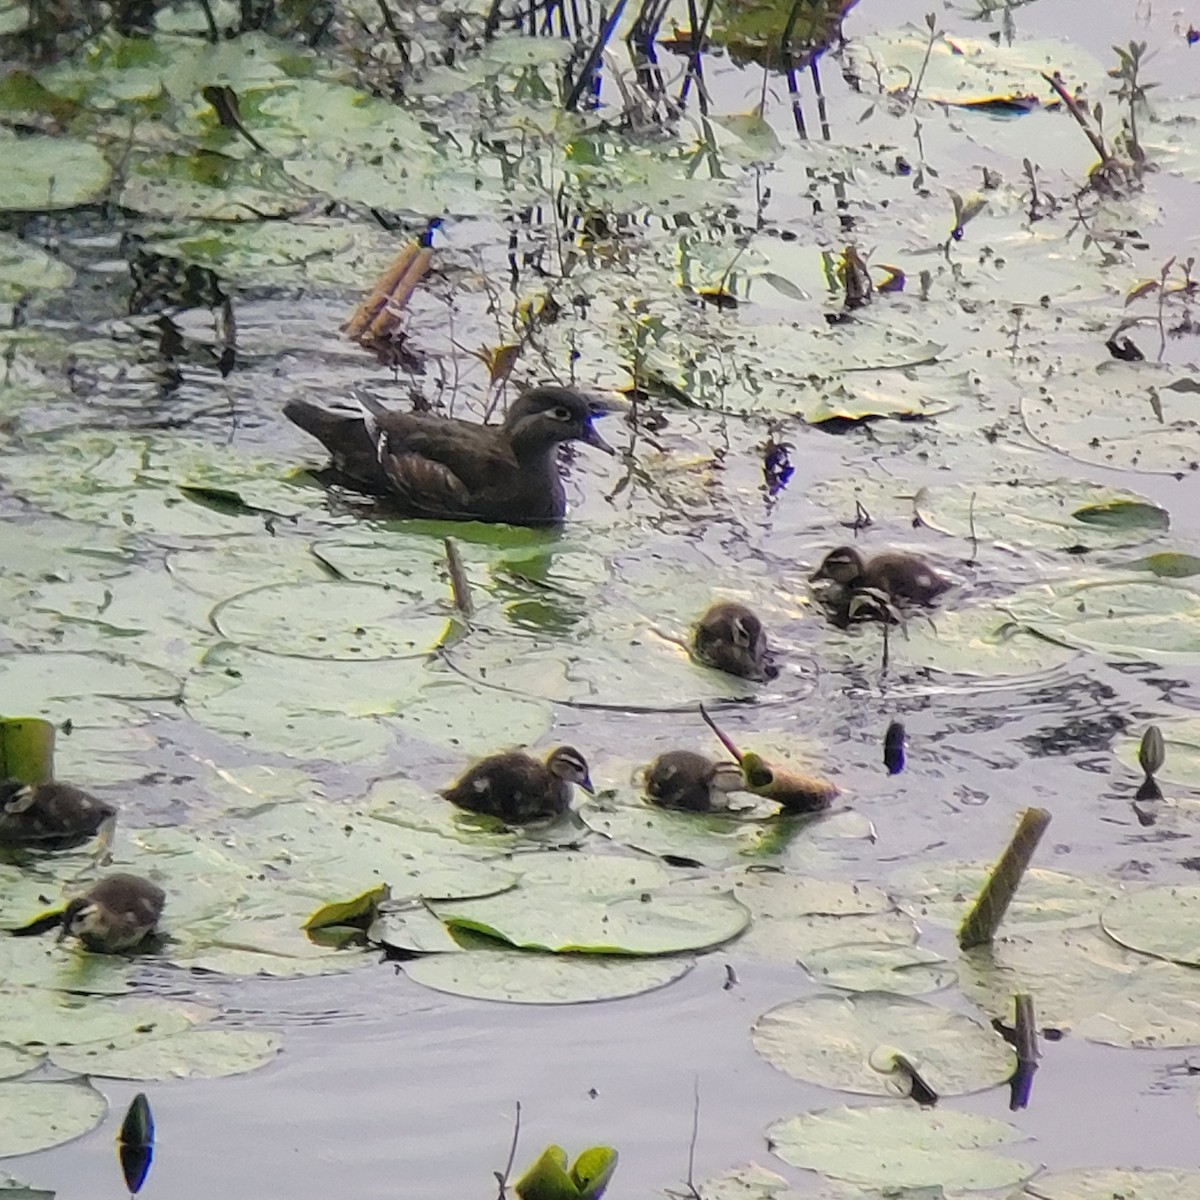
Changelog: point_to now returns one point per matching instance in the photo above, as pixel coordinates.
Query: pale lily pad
(828, 1039)
(1158, 620)
(1163, 921)
(325, 711)
(16, 1061)
(1127, 1183)
(189, 1054)
(14, 1190)
(943, 893)
(1082, 980)
(350, 622)
(880, 966)
(413, 929)
(31, 1017)
(987, 641)
(26, 269)
(50, 172)
(526, 978)
(87, 689)
(901, 1147)
(961, 69)
(40, 1114)
(1110, 417)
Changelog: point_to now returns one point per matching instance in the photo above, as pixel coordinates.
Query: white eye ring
(561, 414)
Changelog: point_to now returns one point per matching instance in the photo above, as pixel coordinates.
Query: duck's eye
(561, 414)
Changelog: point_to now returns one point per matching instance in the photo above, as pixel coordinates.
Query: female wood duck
(117, 914)
(730, 638)
(517, 788)
(899, 575)
(49, 816)
(686, 780)
(448, 469)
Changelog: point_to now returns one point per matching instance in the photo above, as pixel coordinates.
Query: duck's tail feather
(344, 433)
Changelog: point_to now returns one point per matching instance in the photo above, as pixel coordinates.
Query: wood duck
(730, 638)
(686, 780)
(898, 574)
(49, 816)
(443, 468)
(118, 913)
(517, 788)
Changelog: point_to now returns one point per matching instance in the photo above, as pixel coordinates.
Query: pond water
(386, 1087)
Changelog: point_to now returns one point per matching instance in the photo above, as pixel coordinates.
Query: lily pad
(901, 1147)
(188, 1054)
(50, 173)
(519, 977)
(880, 966)
(40, 1114)
(1163, 921)
(565, 921)
(351, 622)
(828, 1039)
(1099, 1183)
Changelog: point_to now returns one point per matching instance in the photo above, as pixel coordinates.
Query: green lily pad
(37, 1115)
(26, 269)
(901, 1147)
(577, 918)
(828, 1039)
(519, 977)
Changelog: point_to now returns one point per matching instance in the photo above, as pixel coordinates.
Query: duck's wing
(437, 465)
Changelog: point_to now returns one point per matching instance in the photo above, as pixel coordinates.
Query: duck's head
(545, 416)
(843, 565)
(569, 765)
(731, 638)
(84, 918)
(15, 796)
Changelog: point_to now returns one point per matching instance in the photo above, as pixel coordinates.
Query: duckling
(686, 780)
(896, 573)
(730, 638)
(116, 914)
(516, 787)
(49, 816)
(448, 469)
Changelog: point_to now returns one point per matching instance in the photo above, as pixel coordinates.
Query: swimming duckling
(898, 574)
(686, 780)
(116, 914)
(444, 468)
(49, 816)
(730, 638)
(516, 787)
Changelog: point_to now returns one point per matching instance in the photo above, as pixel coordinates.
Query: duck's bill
(586, 784)
(592, 438)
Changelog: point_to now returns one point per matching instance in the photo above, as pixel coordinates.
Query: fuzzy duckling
(117, 914)
(730, 638)
(686, 780)
(517, 788)
(444, 468)
(49, 816)
(899, 575)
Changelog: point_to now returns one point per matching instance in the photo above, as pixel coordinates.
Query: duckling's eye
(561, 414)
